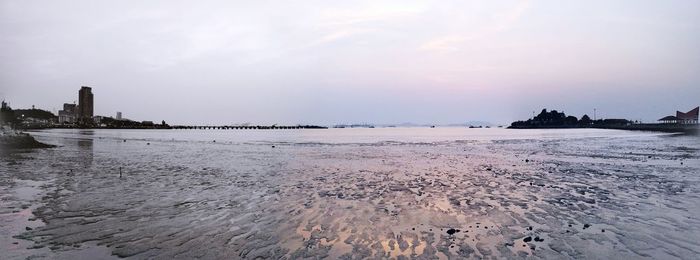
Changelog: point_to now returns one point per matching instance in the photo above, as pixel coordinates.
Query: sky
(332, 62)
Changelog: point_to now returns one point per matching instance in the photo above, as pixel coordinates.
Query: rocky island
(555, 119)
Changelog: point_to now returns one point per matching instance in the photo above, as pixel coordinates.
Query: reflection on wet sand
(86, 151)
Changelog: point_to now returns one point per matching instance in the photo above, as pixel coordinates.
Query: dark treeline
(555, 119)
(34, 113)
(109, 122)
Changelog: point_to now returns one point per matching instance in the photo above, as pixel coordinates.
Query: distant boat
(432, 126)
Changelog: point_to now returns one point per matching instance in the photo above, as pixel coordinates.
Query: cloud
(498, 22)
(505, 20)
(235, 54)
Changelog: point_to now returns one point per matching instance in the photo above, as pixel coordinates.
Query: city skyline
(328, 63)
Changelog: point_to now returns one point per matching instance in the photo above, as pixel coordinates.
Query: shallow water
(353, 193)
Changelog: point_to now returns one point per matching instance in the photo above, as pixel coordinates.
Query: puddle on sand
(20, 219)
(14, 224)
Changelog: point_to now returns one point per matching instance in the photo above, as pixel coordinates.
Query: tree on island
(552, 119)
(34, 113)
(548, 119)
(555, 119)
(585, 120)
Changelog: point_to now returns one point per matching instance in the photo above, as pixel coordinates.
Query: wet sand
(603, 198)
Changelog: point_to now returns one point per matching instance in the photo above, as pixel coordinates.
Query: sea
(352, 193)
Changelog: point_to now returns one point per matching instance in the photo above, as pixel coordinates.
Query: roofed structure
(669, 120)
(690, 117)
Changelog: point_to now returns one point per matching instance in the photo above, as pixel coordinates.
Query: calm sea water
(342, 135)
(353, 193)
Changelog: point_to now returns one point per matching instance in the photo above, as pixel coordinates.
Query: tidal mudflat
(353, 193)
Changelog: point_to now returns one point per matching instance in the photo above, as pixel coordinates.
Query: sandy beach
(446, 194)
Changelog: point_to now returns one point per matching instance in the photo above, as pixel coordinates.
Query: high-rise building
(119, 115)
(85, 104)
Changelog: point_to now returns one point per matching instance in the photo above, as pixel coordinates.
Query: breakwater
(209, 127)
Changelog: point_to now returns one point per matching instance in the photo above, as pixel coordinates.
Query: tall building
(85, 104)
(119, 115)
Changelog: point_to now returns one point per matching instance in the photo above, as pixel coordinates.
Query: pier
(240, 127)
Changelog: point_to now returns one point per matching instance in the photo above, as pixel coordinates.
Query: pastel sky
(327, 62)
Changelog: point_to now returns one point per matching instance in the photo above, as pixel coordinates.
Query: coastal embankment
(668, 128)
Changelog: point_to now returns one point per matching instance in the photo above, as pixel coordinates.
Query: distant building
(669, 120)
(85, 104)
(690, 117)
(119, 115)
(6, 114)
(68, 115)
